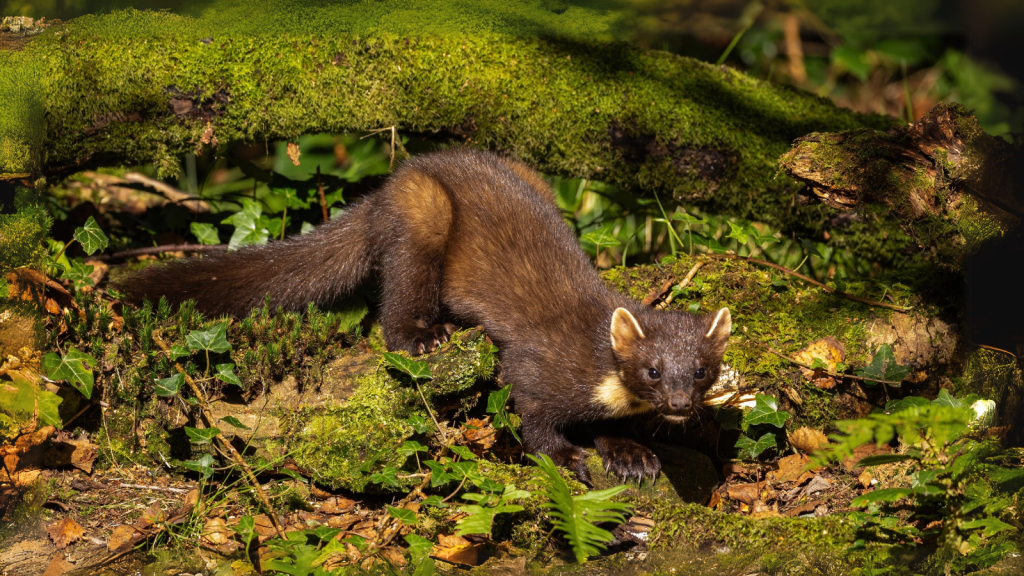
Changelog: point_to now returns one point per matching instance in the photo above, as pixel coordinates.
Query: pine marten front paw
(627, 458)
(574, 459)
(429, 339)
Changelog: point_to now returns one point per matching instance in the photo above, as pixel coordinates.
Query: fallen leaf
(479, 434)
(829, 352)
(216, 532)
(344, 522)
(746, 493)
(264, 528)
(455, 550)
(294, 153)
(804, 508)
(120, 537)
(715, 501)
(337, 505)
(191, 499)
(58, 566)
(208, 137)
(863, 451)
(759, 510)
(807, 439)
(790, 468)
(394, 557)
(817, 484)
(865, 479)
(64, 532)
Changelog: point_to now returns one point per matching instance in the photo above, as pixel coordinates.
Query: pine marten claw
(627, 458)
(431, 338)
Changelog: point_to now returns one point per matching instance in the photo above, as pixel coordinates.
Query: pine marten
(464, 237)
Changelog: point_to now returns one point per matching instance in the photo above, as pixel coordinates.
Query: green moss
(569, 107)
(22, 234)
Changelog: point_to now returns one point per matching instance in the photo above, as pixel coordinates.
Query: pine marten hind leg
(420, 219)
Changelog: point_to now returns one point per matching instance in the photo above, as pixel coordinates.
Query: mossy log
(141, 87)
(951, 186)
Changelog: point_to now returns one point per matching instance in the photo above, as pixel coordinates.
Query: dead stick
(208, 420)
(824, 287)
(323, 197)
(829, 372)
(686, 280)
(161, 488)
(656, 293)
(164, 249)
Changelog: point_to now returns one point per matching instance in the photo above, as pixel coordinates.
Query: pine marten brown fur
(465, 237)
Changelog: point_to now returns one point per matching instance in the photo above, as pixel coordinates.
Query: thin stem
(444, 437)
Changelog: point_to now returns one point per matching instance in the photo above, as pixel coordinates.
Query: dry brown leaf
(64, 532)
(337, 505)
(863, 451)
(216, 532)
(807, 439)
(191, 499)
(479, 434)
(865, 479)
(715, 501)
(828, 350)
(121, 536)
(746, 493)
(790, 468)
(804, 508)
(264, 528)
(455, 550)
(759, 510)
(294, 153)
(344, 522)
(394, 557)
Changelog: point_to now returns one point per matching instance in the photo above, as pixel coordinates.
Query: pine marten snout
(464, 237)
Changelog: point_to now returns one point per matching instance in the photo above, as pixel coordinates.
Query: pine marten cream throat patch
(617, 398)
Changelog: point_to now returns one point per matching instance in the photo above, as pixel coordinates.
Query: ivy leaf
(24, 400)
(205, 232)
(600, 238)
(178, 350)
(77, 273)
(751, 449)
(247, 232)
(246, 528)
(415, 368)
(167, 387)
(226, 373)
(213, 339)
(291, 198)
(234, 422)
(74, 368)
(463, 452)
(386, 477)
(739, 233)
(766, 411)
(946, 399)
(810, 247)
(91, 237)
(729, 418)
(418, 423)
(710, 243)
(411, 447)
(419, 547)
(883, 495)
(203, 465)
(893, 406)
(324, 533)
(200, 436)
(406, 516)
(440, 474)
(306, 228)
(434, 500)
(884, 366)
(496, 400)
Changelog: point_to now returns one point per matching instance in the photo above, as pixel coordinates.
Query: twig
(204, 410)
(169, 192)
(145, 487)
(686, 280)
(824, 287)
(323, 197)
(125, 254)
(77, 414)
(994, 349)
(656, 293)
(896, 383)
(444, 437)
(394, 134)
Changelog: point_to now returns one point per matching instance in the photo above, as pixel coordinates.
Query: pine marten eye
(653, 374)
(700, 373)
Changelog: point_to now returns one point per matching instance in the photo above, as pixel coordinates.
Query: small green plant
(487, 505)
(764, 416)
(943, 457)
(577, 517)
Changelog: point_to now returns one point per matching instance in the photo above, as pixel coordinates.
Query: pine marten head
(666, 361)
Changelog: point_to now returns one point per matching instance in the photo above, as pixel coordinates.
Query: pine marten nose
(679, 401)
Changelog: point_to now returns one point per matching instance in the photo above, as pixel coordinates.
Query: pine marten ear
(625, 331)
(719, 328)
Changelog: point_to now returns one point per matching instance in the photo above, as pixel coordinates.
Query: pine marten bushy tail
(319, 267)
(472, 238)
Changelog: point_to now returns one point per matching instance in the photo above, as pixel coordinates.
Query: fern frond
(577, 516)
